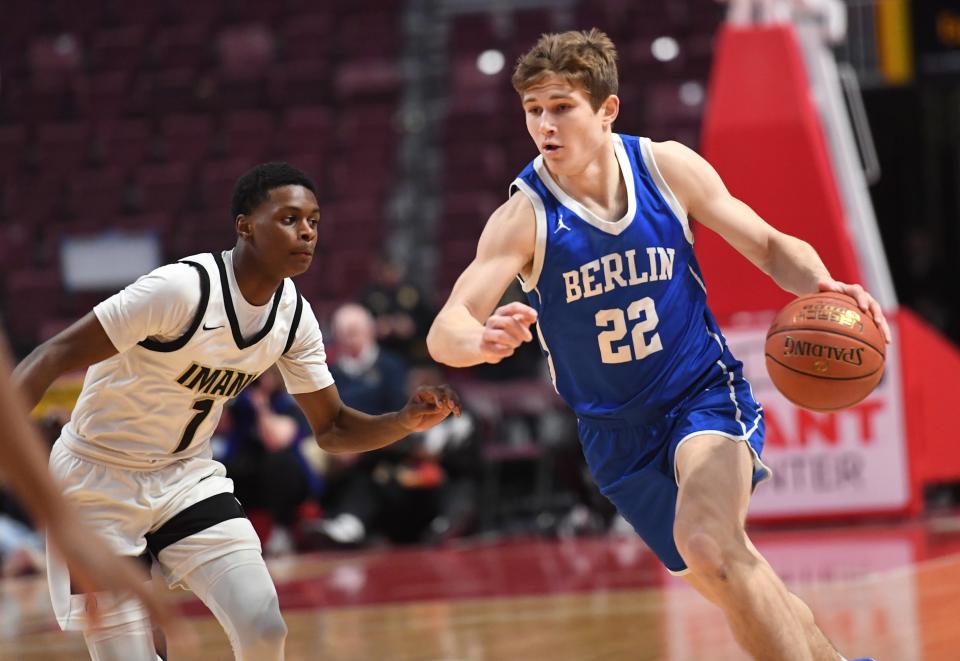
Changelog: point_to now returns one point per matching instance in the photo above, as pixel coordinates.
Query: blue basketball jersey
(623, 318)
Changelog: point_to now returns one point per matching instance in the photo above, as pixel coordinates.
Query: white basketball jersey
(159, 400)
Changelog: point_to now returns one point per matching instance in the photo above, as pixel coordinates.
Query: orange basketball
(824, 353)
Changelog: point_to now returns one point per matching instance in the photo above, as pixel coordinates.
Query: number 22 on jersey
(615, 320)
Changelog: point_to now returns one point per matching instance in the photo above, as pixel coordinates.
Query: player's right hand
(506, 329)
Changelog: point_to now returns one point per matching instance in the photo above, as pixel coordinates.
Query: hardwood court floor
(891, 592)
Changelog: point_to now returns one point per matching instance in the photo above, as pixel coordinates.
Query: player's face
(284, 229)
(564, 126)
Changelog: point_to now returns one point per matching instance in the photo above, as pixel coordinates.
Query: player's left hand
(428, 406)
(864, 300)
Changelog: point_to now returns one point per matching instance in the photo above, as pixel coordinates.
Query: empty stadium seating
(135, 113)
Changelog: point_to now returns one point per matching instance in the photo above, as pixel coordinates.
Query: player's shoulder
(671, 150)
(686, 172)
(517, 209)
(678, 158)
(511, 228)
(176, 281)
(178, 272)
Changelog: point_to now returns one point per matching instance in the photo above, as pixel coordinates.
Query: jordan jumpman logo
(560, 225)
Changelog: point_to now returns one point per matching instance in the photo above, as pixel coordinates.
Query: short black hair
(254, 186)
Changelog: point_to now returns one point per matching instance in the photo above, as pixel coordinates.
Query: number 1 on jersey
(644, 308)
(203, 408)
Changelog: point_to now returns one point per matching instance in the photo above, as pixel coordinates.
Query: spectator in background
(370, 378)
(389, 493)
(267, 459)
(400, 309)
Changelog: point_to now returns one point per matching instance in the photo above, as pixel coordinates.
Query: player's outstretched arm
(91, 563)
(339, 428)
(469, 330)
(77, 347)
(792, 263)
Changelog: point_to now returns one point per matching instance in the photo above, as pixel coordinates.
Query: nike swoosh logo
(205, 327)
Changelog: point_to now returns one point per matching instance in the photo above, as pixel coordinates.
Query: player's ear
(609, 109)
(244, 226)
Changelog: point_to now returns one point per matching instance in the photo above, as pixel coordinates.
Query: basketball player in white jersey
(164, 355)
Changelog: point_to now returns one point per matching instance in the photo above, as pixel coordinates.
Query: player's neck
(253, 278)
(599, 186)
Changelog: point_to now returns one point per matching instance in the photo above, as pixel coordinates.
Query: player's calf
(130, 641)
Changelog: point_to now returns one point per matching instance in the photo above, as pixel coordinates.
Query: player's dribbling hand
(864, 300)
(506, 329)
(428, 406)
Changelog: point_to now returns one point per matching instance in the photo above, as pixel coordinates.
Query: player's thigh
(110, 501)
(192, 548)
(200, 519)
(244, 572)
(714, 475)
(108, 498)
(647, 499)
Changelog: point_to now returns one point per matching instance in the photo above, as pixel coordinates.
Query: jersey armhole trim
(646, 150)
(180, 342)
(296, 322)
(540, 245)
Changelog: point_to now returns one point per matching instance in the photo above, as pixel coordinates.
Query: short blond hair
(584, 58)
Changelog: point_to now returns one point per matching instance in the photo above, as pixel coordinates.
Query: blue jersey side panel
(622, 306)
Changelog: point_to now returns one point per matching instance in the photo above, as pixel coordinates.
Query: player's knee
(701, 551)
(264, 626)
(269, 625)
(708, 552)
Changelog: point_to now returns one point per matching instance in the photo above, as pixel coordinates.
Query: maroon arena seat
(122, 142)
(217, 180)
(104, 95)
(121, 47)
(187, 137)
(187, 45)
(63, 147)
(96, 193)
(307, 38)
(300, 83)
(250, 134)
(164, 187)
(13, 140)
(245, 51)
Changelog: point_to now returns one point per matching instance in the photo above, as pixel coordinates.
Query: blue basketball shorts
(634, 463)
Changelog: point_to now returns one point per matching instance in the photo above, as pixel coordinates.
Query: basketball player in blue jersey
(597, 230)
(164, 355)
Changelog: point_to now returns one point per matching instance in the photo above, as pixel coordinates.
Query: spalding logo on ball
(823, 353)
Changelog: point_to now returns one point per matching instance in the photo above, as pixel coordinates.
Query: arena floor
(889, 591)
